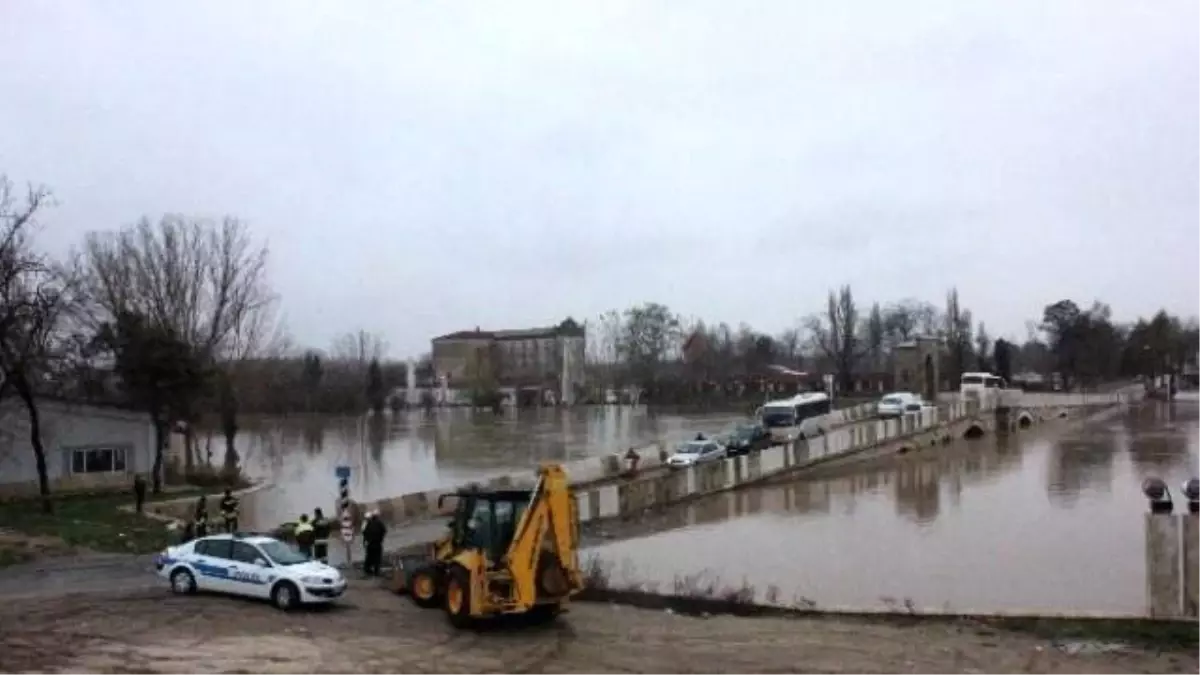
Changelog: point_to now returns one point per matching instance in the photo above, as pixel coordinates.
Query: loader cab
(487, 521)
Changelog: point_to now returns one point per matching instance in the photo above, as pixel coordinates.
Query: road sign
(342, 472)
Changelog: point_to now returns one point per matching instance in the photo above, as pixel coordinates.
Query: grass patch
(87, 521)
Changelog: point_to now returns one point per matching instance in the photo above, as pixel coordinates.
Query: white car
(694, 452)
(255, 566)
(898, 403)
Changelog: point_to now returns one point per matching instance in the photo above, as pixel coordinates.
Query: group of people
(311, 534)
(198, 526)
(312, 538)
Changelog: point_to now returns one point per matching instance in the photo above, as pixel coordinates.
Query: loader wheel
(458, 597)
(551, 580)
(423, 587)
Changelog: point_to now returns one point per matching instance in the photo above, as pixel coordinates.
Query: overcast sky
(418, 168)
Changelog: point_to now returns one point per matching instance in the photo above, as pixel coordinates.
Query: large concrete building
(525, 358)
(87, 446)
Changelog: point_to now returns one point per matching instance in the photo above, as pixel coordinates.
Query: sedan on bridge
(695, 452)
(746, 438)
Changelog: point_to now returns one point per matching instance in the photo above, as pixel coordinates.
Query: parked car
(695, 452)
(899, 403)
(746, 438)
(255, 566)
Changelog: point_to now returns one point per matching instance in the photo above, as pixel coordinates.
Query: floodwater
(1049, 520)
(412, 451)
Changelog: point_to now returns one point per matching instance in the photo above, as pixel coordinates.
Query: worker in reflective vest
(321, 530)
(304, 535)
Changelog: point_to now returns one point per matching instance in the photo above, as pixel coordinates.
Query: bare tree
(874, 332)
(956, 332)
(908, 319)
(200, 282)
(604, 346)
(789, 347)
(36, 301)
(983, 348)
(358, 348)
(835, 334)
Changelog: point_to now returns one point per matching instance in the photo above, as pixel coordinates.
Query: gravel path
(376, 631)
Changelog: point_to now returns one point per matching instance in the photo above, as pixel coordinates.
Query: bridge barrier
(638, 494)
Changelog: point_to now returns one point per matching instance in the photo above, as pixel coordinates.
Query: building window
(98, 460)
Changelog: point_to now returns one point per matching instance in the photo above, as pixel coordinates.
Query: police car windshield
(282, 554)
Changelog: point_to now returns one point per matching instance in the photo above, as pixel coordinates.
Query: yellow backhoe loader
(507, 552)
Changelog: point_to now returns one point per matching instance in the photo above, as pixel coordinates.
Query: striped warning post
(344, 497)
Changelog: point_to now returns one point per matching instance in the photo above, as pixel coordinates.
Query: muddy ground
(149, 630)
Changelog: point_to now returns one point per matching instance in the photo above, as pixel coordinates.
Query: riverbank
(706, 596)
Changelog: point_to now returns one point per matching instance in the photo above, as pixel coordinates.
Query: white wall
(66, 426)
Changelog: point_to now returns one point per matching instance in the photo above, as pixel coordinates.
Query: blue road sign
(342, 472)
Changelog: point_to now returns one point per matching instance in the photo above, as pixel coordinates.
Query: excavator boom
(551, 511)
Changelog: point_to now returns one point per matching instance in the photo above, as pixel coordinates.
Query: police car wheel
(182, 582)
(285, 595)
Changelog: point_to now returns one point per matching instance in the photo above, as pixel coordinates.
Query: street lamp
(1156, 491)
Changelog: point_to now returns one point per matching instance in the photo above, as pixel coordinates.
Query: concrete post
(1163, 573)
(1191, 564)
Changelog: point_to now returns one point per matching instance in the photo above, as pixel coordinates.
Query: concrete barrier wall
(639, 494)
(1171, 565)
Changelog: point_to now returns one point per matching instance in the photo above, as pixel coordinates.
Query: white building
(87, 446)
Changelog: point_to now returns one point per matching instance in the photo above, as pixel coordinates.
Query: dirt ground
(375, 631)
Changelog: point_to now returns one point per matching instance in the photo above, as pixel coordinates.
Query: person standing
(139, 492)
(201, 518)
(304, 535)
(374, 532)
(229, 511)
(321, 530)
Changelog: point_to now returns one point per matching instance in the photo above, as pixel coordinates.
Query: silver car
(695, 452)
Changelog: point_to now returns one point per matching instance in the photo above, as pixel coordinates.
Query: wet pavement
(414, 451)
(1050, 520)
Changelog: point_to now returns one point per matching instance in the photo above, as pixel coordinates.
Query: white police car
(256, 566)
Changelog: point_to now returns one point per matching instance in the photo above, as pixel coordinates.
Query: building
(918, 366)
(87, 446)
(526, 358)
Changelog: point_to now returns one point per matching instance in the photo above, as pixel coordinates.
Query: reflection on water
(412, 451)
(1048, 520)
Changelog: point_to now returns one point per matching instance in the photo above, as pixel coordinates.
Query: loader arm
(551, 510)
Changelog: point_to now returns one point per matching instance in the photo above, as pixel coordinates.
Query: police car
(252, 565)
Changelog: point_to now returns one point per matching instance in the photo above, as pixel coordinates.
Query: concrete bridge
(605, 490)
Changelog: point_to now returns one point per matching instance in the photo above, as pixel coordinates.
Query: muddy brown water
(412, 451)
(1049, 520)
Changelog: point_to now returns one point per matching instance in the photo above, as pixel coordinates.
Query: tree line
(657, 350)
(175, 317)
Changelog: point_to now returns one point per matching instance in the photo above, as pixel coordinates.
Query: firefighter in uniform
(304, 535)
(321, 530)
(229, 511)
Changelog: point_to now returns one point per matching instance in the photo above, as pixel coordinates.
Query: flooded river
(1048, 520)
(412, 451)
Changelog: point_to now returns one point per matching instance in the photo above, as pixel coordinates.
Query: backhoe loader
(507, 552)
